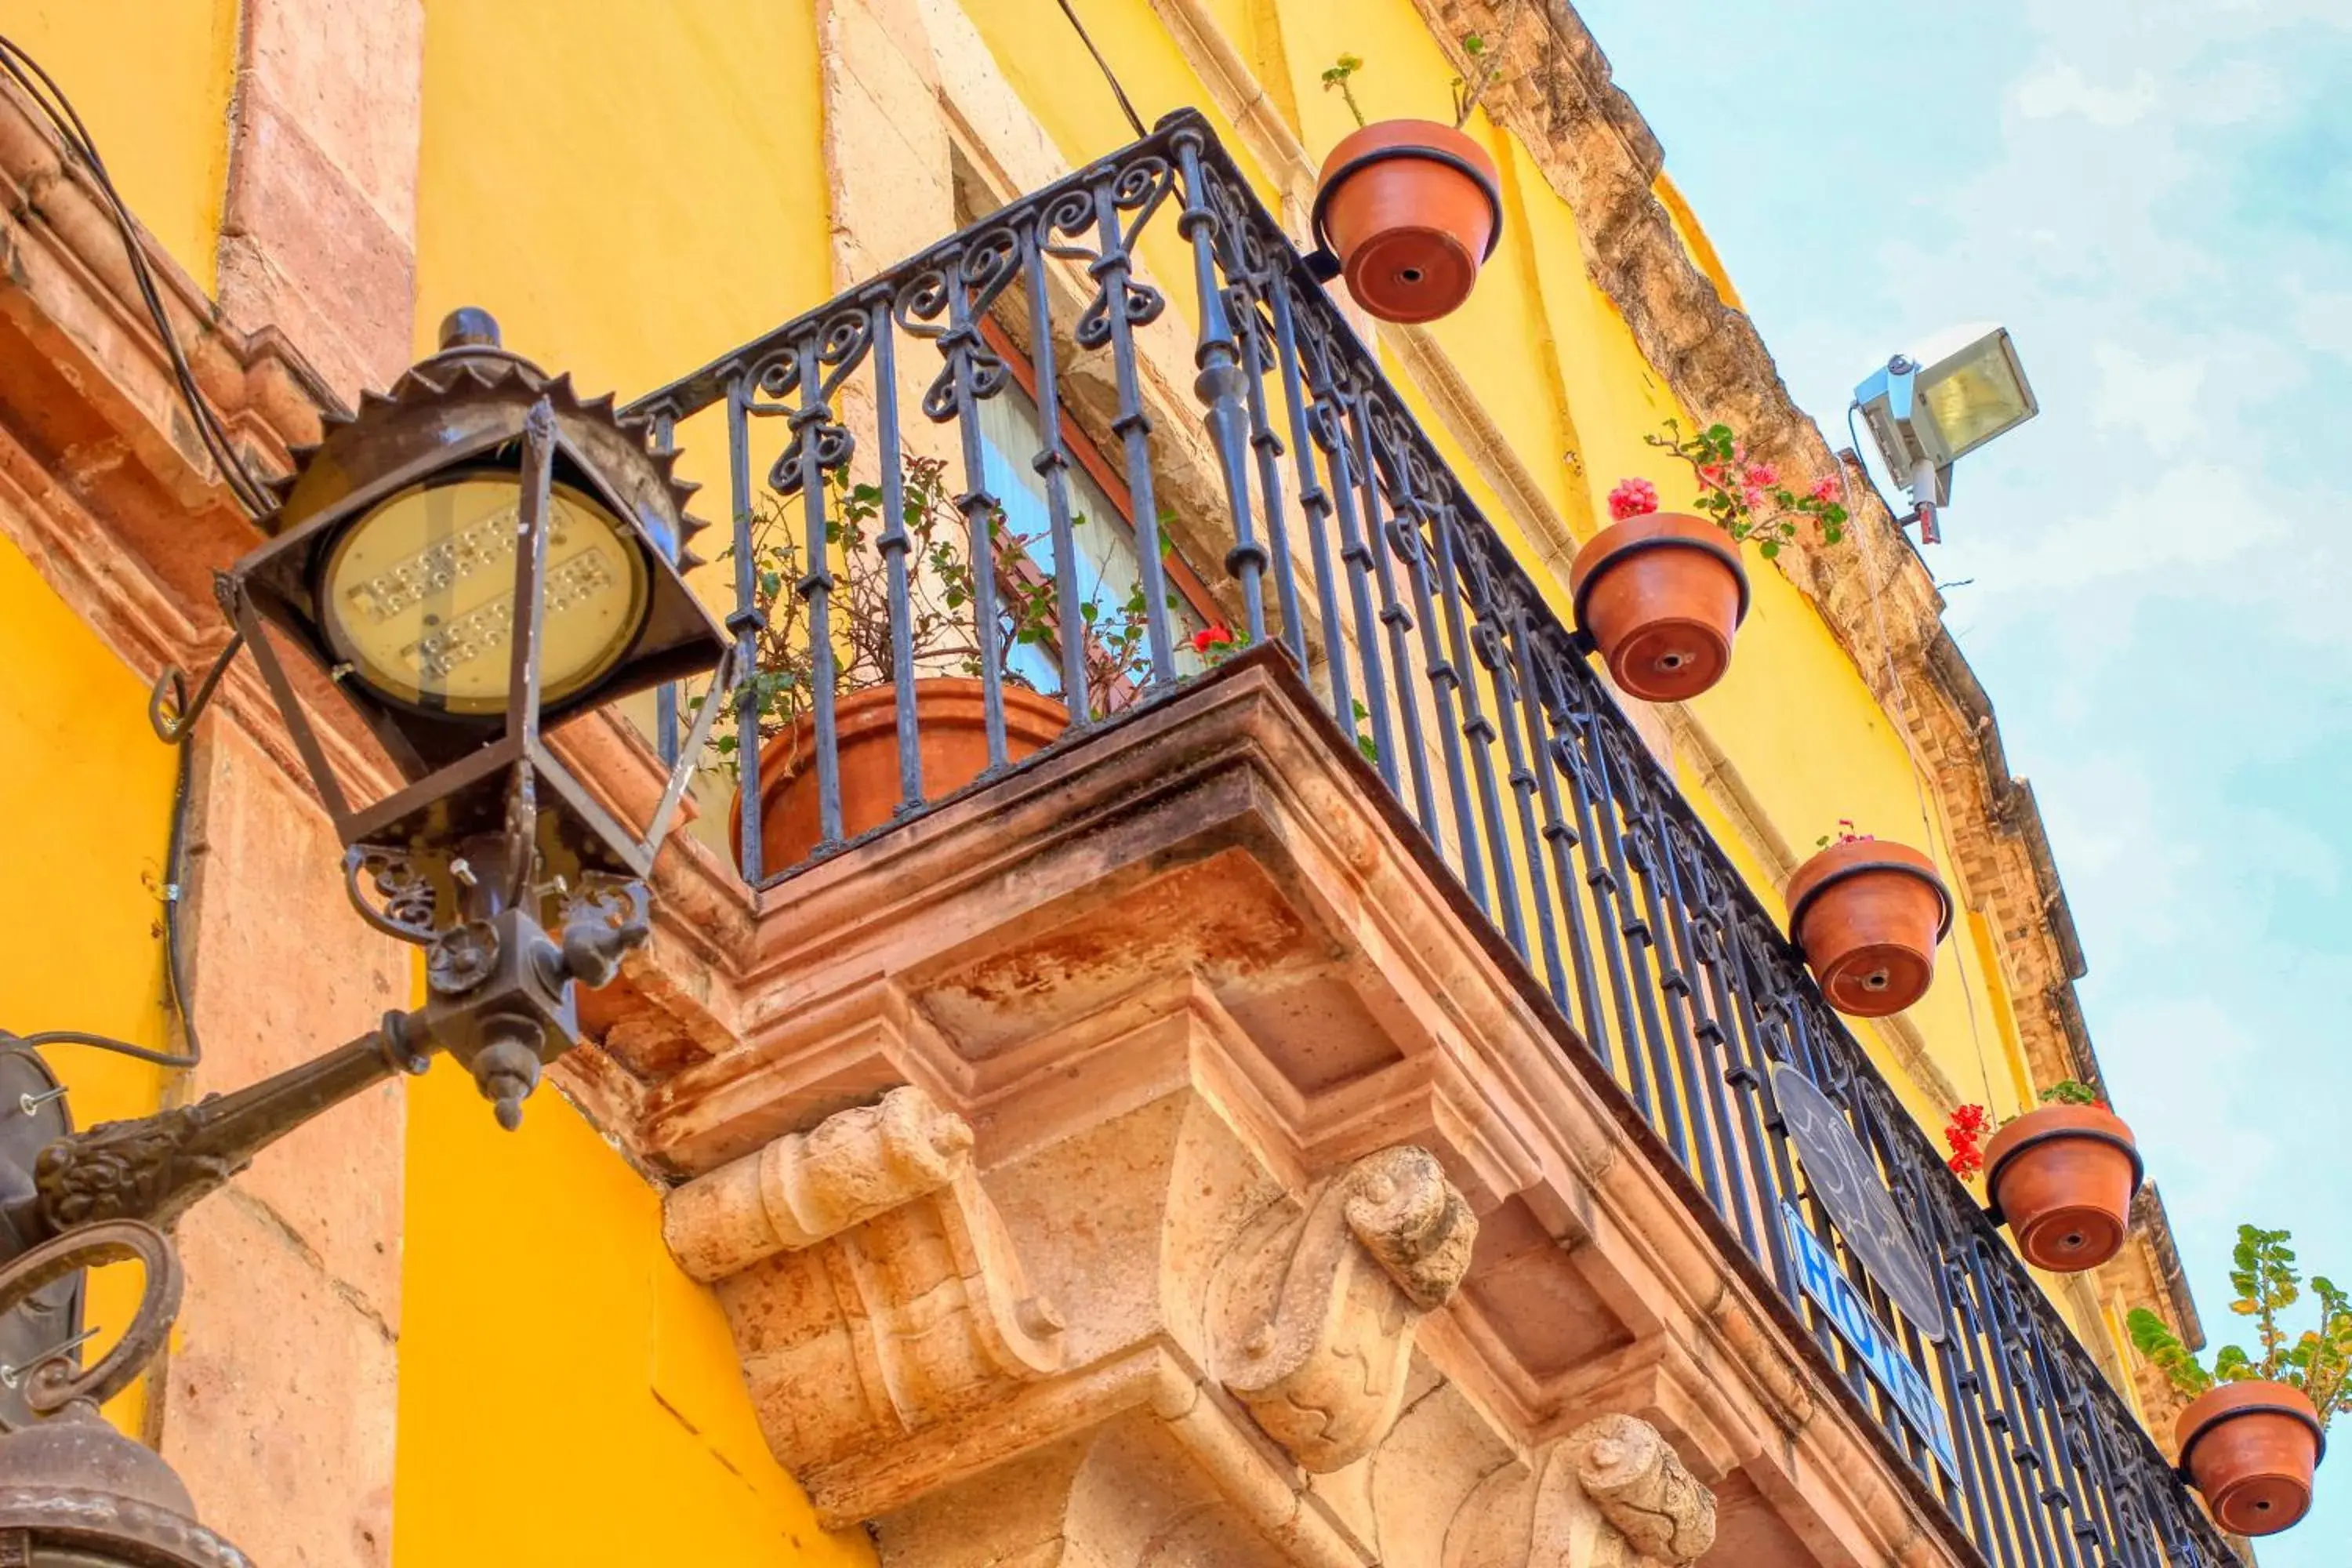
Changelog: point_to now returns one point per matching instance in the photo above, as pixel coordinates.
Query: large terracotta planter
(950, 723)
(2251, 1448)
(1661, 596)
(1868, 916)
(1411, 209)
(2061, 1179)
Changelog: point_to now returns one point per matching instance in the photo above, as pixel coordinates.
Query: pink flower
(1758, 475)
(1632, 497)
(1826, 490)
(1751, 497)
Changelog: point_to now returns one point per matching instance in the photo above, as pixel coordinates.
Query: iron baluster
(819, 445)
(893, 543)
(1561, 838)
(1698, 953)
(747, 623)
(1219, 387)
(1123, 306)
(1396, 621)
(1614, 776)
(1466, 657)
(1332, 433)
(1258, 357)
(1316, 503)
(974, 373)
(1068, 216)
(664, 440)
(1500, 629)
(1578, 755)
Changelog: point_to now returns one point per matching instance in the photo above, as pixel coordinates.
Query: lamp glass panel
(1975, 396)
(418, 595)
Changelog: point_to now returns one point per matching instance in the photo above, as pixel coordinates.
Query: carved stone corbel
(1313, 1315)
(806, 1186)
(867, 1278)
(1611, 1494)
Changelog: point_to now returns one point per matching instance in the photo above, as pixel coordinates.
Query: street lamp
(474, 556)
(1927, 412)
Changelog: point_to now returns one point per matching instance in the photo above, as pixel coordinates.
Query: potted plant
(1408, 210)
(1868, 915)
(2256, 1425)
(2062, 1176)
(1662, 594)
(945, 648)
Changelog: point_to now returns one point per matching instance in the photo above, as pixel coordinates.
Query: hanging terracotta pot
(2251, 1448)
(951, 726)
(2061, 1179)
(1868, 916)
(1661, 596)
(1411, 209)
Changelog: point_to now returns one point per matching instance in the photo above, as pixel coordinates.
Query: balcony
(1402, 825)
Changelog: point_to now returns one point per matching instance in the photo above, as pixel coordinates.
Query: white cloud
(2061, 90)
(2157, 400)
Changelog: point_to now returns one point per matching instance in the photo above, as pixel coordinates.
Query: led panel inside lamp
(1976, 395)
(418, 595)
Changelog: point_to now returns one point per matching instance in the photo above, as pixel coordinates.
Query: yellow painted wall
(85, 811)
(631, 191)
(151, 79)
(566, 1395)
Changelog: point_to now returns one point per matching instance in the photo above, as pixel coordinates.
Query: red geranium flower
(1213, 637)
(1964, 1134)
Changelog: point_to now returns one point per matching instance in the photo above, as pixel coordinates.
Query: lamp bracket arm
(154, 1168)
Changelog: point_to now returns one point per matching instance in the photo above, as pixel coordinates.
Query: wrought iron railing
(1350, 542)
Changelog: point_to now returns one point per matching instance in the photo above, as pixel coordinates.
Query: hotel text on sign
(1826, 1284)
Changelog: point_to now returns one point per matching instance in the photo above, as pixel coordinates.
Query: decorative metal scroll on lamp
(475, 556)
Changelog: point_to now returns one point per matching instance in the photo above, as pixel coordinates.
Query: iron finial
(470, 327)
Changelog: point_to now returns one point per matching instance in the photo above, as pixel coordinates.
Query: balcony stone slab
(1160, 1123)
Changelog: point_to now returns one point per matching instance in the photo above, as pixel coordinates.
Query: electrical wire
(59, 110)
(1103, 64)
(176, 730)
(1870, 581)
(174, 726)
(1863, 463)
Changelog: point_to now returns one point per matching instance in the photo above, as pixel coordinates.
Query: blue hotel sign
(1871, 1341)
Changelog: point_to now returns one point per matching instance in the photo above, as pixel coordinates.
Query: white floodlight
(1926, 411)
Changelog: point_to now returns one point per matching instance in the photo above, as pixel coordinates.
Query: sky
(2152, 578)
